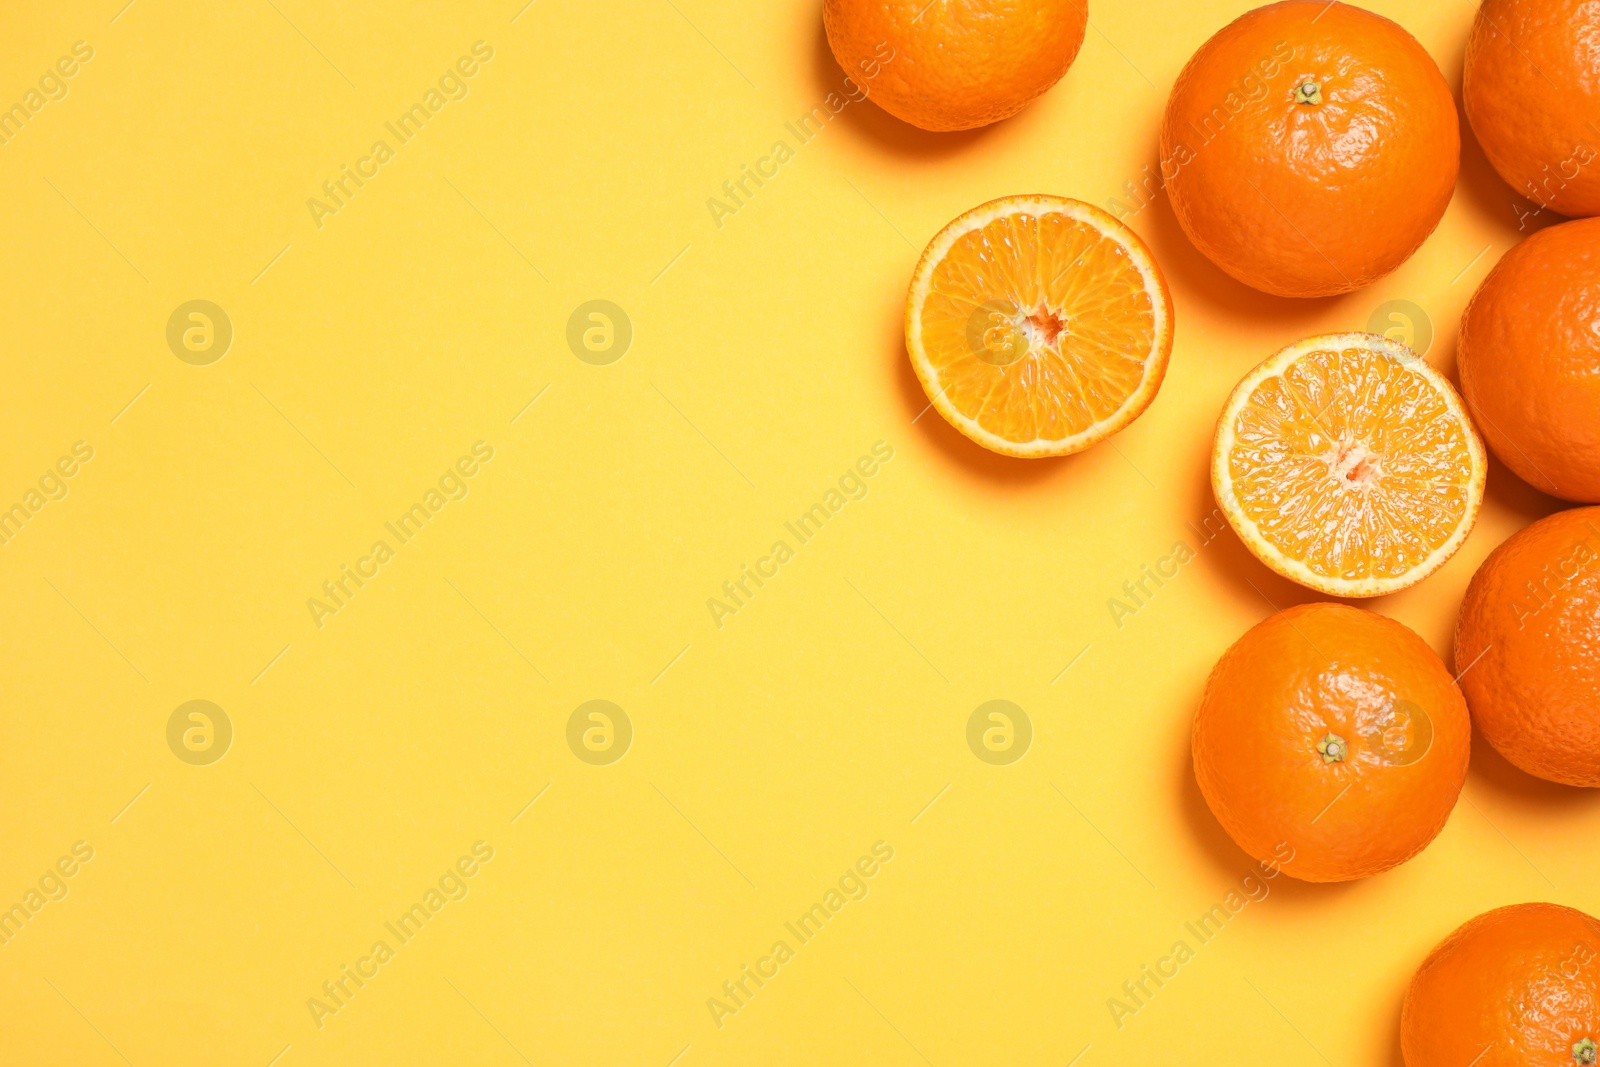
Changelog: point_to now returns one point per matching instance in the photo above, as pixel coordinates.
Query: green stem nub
(1585, 1051)
(1333, 750)
(1308, 92)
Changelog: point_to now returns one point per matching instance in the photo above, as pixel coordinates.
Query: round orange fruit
(1310, 147)
(1528, 648)
(1531, 95)
(1347, 464)
(1038, 325)
(1515, 987)
(1331, 742)
(1529, 358)
(955, 64)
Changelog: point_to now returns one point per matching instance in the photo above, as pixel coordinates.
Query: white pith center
(1355, 464)
(1042, 327)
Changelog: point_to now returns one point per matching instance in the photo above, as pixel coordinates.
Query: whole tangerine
(955, 64)
(1529, 90)
(1529, 358)
(1332, 735)
(1528, 648)
(1310, 148)
(1513, 987)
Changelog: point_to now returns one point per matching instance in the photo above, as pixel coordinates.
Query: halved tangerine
(1347, 464)
(1038, 325)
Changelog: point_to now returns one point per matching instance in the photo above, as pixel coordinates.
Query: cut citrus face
(1038, 325)
(1347, 464)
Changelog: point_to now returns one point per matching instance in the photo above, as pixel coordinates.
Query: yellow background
(769, 754)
